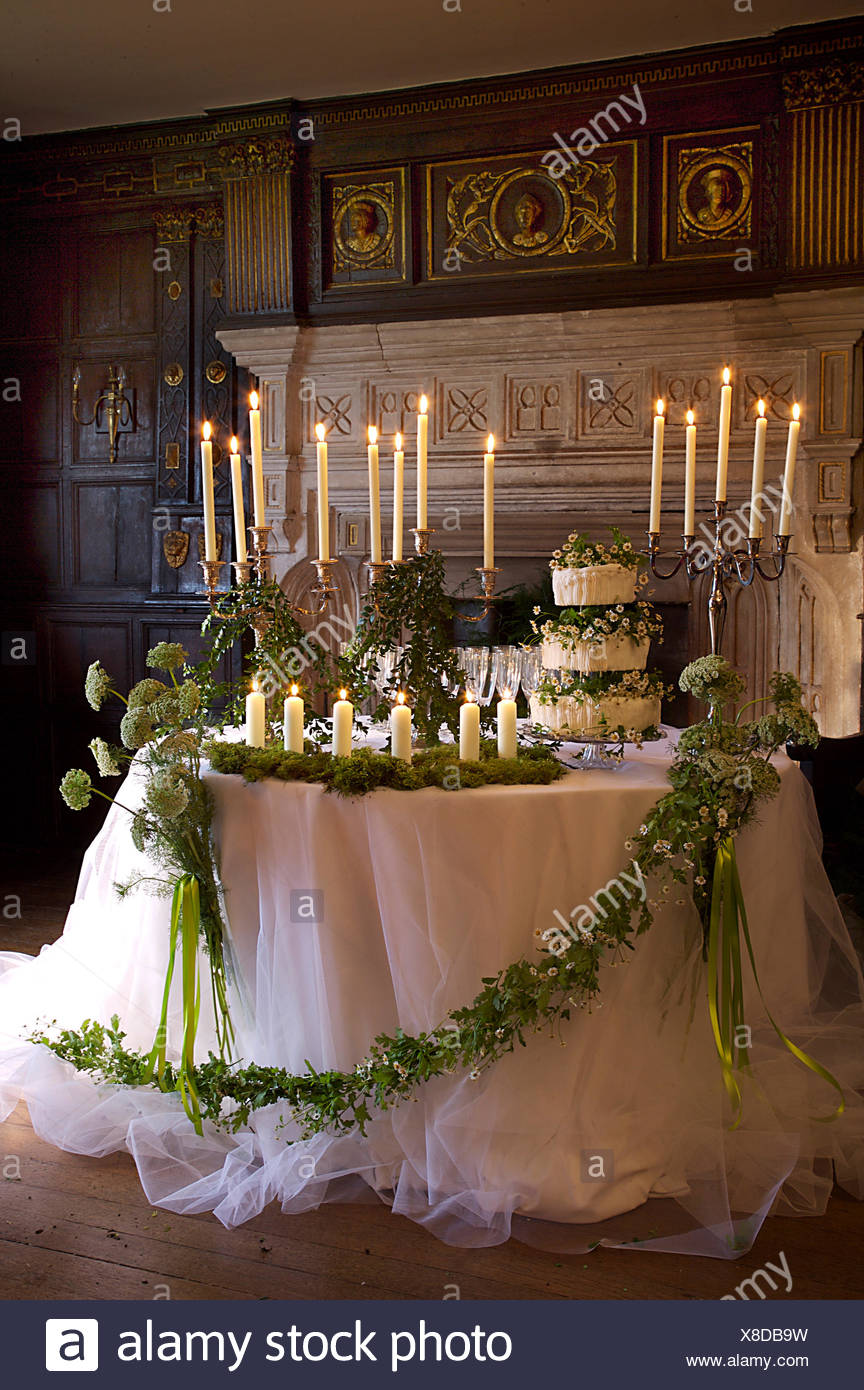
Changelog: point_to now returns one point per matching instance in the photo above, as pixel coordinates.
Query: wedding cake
(595, 653)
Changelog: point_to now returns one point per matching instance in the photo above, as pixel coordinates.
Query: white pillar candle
(469, 730)
(343, 724)
(207, 494)
(657, 469)
(507, 745)
(489, 504)
(789, 474)
(756, 518)
(398, 497)
(422, 462)
(400, 729)
(292, 722)
(723, 437)
(323, 500)
(256, 715)
(257, 450)
(240, 551)
(374, 497)
(690, 477)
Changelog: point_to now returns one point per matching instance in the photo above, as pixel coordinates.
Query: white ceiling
(70, 64)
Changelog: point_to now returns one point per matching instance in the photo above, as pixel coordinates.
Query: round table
(353, 917)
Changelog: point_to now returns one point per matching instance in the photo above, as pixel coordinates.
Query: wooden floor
(80, 1228)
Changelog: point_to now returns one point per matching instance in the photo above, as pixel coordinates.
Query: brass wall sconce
(113, 402)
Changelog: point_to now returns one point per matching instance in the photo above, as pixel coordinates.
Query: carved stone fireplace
(569, 397)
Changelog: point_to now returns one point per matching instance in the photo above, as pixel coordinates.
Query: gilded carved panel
(708, 202)
(509, 213)
(365, 231)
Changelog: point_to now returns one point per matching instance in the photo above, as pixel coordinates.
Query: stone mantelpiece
(569, 399)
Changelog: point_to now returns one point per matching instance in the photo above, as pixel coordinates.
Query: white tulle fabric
(423, 894)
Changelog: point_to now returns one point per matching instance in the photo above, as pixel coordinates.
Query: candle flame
(398, 442)
(470, 696)
(294, 689)
(206, 430)
(255, 683)
(320, 432)
(400, 698)
(373, 435)
(661, 406)
(424, 405)
(796, 411)
(235, 447)
(490, 444)
(726, 376)
(760, 406)
(253, 400)
(506, 693)
(343, 694)
(690, 417)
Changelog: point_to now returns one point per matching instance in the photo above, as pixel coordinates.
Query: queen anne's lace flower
(712, 679)
(136, 728)
(166, 795)
(145, 692)
(76, 789)
(165, 656)
(97, 684)
(188, 699)
(104, 758)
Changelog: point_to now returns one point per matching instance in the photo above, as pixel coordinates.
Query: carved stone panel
(334, 409)
(393, 408)
(536, 407)
(709, 194)
(507, 213)
(611, 404)
(466, 411)
(365, 230)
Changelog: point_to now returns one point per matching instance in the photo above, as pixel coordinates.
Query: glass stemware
(508, 672)
(487, 675)
(532, 670)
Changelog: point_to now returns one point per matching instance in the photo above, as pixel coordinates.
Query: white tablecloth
(613, 1130)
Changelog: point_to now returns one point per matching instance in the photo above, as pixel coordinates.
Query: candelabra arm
(777, 556)
(653, 554)
(487, 581)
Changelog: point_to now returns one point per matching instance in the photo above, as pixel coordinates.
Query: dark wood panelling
(32, 300)
(29, 407)
(115, 284)
(112, 532)
(136, 438)
(30, 533)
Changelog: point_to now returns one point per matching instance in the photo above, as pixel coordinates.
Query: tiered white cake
(595, 653)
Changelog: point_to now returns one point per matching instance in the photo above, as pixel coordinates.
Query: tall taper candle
(657, 469)
(789, 473)
(507, 745)
(343, 723)
(469, 730)
(398, 497)
(256, 715)
(374, 497)
(207, 494)
(323, 500)
(292, 722)
(422, 462)
(756, 501)
(723, 436)
(489, 504)
(257, 460)
(690, 476)
(400, 729)
(240, 551)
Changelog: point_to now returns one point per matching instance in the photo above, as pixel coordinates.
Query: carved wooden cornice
(251, 158)
(823, 86)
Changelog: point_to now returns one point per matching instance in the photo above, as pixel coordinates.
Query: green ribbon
(185, 927)
(728, 922)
